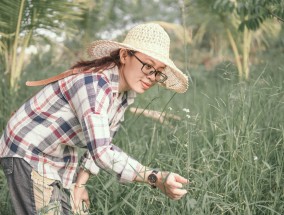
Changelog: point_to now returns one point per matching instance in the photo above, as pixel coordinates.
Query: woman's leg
(20, 185)
(31, 193)
(50, 197)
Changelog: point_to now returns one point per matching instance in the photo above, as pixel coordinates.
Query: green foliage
(252, 13)
(223, 6)
(21, 19)
(241, 21)
(229, 144)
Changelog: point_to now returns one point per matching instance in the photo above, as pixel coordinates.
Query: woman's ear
(123, 55)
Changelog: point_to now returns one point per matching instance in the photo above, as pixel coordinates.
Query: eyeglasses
(148, 69)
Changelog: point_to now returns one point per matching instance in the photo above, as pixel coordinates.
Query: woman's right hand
(171, 184)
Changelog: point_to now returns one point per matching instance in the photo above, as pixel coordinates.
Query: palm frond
(20, 19)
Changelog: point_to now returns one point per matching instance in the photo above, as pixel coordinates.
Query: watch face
(152, 178)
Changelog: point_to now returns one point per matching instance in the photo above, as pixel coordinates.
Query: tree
(250, 16)
(238, 19)
(22, 21)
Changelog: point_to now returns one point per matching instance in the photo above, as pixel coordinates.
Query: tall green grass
(229, 144)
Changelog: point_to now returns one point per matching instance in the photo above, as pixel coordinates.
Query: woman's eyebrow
(147, 60)
(153, 64)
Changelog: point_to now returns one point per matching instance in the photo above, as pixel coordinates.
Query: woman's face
(131, 75)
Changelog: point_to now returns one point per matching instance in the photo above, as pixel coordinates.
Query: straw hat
(152, 40)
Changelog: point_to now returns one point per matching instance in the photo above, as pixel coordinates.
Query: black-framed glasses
(148, 69)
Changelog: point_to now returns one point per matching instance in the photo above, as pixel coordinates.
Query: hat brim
(177, 81)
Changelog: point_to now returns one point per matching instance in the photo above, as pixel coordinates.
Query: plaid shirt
(83, 110)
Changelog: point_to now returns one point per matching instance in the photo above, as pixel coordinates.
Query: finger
(87, 203)
(172, 182)
(180, 192)
(86, 198)
(76, 203)
(177, 192)
(175, 197)
(181, 179)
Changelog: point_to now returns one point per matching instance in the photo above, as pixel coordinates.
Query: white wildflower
(186, 110)
(255, 158)
(188, 116)
(170, 108)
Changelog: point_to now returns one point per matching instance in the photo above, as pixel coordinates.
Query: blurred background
(231, 116)
(40, 38)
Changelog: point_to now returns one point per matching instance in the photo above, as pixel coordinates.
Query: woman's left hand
(81, 200)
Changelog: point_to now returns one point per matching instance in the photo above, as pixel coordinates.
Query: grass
(229, 144)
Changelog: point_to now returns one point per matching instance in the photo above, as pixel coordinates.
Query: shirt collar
(113, 77)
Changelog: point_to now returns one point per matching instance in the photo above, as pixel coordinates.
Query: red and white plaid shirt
(83, 110)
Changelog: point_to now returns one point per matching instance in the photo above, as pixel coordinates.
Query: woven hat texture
(152, 40)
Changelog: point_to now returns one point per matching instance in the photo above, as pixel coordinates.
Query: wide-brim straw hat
(152, 40)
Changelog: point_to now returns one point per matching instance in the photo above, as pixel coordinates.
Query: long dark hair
(103, 63)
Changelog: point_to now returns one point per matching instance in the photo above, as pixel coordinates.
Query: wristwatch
(152, 178)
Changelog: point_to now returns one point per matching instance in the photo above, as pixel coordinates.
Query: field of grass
(228, 143)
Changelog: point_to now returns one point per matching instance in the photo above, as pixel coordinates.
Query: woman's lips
(145, 85)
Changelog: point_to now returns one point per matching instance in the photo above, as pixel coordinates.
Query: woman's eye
(148, 66)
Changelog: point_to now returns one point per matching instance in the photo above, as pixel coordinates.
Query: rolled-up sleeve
(88, 163)
(91, 100)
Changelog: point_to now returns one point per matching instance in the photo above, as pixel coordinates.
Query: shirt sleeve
(91, 99)
(88, 163)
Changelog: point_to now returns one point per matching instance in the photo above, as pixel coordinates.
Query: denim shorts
(31, 193)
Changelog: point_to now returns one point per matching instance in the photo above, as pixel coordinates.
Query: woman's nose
(152, 77)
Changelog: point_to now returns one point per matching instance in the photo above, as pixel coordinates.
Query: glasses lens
(160, 77)
(148, 69)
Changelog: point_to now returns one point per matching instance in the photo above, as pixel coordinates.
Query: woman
(83, 108)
